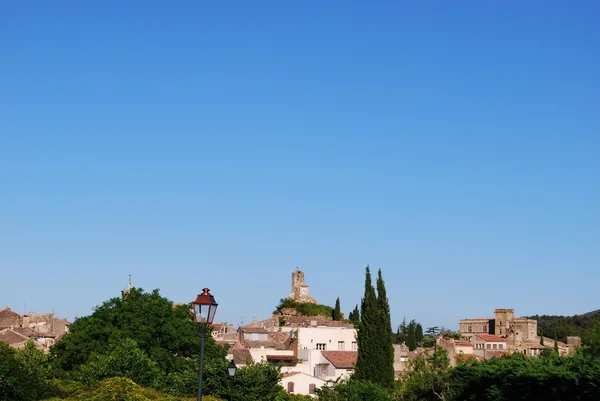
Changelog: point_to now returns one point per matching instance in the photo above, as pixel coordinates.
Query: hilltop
(562, 327)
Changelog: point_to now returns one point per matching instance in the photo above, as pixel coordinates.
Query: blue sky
(454, 145)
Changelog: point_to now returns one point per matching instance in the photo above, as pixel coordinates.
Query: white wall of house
(302, 383)
(260, 353)
(327, 338)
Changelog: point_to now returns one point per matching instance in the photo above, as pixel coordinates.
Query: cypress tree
(418, 334)
(354, 316)
(555, 344)
(367, 362)
(411, 340)
(336, 313)
(385, 339)
(402, 332)
(542, 340)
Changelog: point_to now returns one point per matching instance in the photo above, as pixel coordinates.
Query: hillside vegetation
(562, 327)
(304, 308)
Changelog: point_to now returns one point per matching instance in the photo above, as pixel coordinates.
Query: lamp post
(205, 308)
(231, 369)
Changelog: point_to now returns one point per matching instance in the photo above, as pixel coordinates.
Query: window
(484, 328)
(489, 346)
(311, 388)
(322, 346)
(500, 346)
(469, 328)
(290, 387)
(353, 345)
(495, 346)
(341, 346)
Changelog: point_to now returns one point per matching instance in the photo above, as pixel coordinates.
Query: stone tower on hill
(300, 289)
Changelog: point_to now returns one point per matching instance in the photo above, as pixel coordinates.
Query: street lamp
(205, 308)
(231, 369)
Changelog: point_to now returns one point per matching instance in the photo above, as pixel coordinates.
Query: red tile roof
(288, 374)
(463, 343)
(465, 357)
(491, 338)
(341, 359)
(495, 354)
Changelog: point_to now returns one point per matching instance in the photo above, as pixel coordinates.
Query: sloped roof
(12, 337)
(253, 329)
(461, 343)
(491, 338)
(495, 353)
(241, 355)
(29, 332)
(341, 359)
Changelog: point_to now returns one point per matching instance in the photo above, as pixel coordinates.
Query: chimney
(26, 321)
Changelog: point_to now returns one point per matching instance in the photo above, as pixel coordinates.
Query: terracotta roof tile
(495, 354)
(465, 357)
(341, 359)
(491, 338)
(463, 343)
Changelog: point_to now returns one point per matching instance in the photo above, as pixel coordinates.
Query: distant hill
(562, 327)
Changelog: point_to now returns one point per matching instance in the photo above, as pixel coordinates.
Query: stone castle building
(511, 334)
(300, 289)
(516, 330)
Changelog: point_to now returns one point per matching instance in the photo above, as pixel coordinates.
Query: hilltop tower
(300, 289)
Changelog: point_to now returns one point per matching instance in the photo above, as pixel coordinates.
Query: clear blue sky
(454, 145)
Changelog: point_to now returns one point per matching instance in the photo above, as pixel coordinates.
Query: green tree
(401, 333)
(386, 336)
(411, 335)
(418, 334)
(375, 361)
(555, 345)
(352, 390)
(21, 379)
(520, 378)
(258, 381)
(354, 316)
(164, 333)
(367, 364)
(427, 377)
(336, 313)
(592, 341)
(126, 359)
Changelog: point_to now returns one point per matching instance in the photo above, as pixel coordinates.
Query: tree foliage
(144, 337)
(23, 373)
(375, 360)
(386, 336)
(354, 316)
(258, 381)
(427, 377)
(336, 314)
(304, 308)
(565, 326)
(352, 390)
(522, 378)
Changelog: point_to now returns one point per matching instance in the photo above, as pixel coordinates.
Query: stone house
(458, 350)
